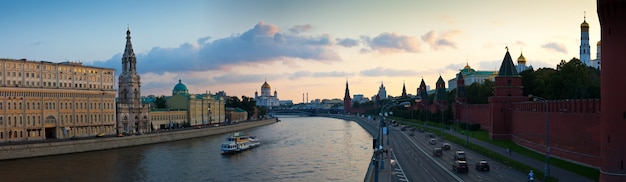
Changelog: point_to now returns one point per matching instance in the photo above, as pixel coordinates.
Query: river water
(295, 149)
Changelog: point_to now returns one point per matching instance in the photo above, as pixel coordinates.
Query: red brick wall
(574, 126)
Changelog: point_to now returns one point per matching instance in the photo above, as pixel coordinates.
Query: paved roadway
(414, 161)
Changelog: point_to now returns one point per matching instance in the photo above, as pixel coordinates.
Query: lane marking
(433, 159)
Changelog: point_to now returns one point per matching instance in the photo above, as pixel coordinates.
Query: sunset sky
(297, 46)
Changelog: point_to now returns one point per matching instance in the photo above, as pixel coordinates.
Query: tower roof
(128, 50)
(440, 80)
(507, 68)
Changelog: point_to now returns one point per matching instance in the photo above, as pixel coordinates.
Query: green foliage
(571, 80)
(160, 102)
(479, 93)
(248, 104)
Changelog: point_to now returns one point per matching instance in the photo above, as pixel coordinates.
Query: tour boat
(239, 142)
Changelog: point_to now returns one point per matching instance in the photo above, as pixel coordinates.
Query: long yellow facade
(44, 100)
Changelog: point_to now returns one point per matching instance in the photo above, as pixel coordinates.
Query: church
(266, 99)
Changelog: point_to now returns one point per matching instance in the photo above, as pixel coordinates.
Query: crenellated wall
(574, 126)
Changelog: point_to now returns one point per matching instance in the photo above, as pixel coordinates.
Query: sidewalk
(561, 174)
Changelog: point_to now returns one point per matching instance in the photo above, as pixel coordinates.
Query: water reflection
(296, 149)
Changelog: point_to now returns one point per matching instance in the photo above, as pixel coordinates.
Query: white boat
(239, 142)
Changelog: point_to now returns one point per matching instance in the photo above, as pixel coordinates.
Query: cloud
(262, 44)
(456, 66)
(300, 28)
(380, 71)
(392, 42)
(553, 46)
(347, 42)
(440, 42)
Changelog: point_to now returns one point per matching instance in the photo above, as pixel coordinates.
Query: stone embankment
(18, 151)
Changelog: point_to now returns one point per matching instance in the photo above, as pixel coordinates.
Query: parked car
(460, 155)
(460, 167)
(437, 152)
(432, 141)
(445, 146)
(482, 165)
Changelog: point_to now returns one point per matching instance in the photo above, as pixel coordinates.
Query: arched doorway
(51, 129)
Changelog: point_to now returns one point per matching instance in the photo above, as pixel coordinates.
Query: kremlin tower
(612, 14)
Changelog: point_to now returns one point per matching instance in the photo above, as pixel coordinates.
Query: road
(415, 162)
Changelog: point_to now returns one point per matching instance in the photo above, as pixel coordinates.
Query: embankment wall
(84, 145)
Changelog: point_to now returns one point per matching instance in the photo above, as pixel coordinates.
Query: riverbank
(19, 151)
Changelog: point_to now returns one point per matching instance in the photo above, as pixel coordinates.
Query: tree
(160, 102)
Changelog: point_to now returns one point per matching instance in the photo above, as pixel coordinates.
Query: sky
(299, 47)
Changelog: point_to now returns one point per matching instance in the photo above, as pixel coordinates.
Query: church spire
(403, 89)
(129, 61)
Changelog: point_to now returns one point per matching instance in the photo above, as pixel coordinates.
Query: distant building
(266, 99)
(472, 76)
(382, 92)
(585, 53)
(358, 98)
(521, 64)
(234, 115)
(596, 62)
(184, 109)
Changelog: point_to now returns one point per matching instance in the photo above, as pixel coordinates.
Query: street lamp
(378, 151)
(537, 98)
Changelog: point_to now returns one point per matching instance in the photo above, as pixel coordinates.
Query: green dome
(180, 88)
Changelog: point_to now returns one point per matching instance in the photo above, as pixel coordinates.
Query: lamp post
(379, 149)
(547, 167)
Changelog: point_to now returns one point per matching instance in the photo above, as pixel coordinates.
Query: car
(437, 152)
(432, 141)
(411, 134)
(459, 155)
(403, 128)
(460, 167)
(482, 165)
(445, 146)
(430, 135)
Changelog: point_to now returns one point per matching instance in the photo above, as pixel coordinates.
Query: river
(295, 149)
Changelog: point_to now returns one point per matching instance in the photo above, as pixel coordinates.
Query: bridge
(302, 112)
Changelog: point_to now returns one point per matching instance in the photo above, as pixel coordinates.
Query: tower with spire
(585, 55)
(347, 100)
(422, 91)
(132, 115)
(440, 92)
(507, 89)
(403, 90)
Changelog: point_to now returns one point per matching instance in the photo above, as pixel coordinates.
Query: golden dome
(467, 67)
(598, 44)
(265, 85)
(521, 59)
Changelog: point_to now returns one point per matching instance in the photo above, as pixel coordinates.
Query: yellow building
(44, 100)
(234, 115)
(200, 109)
(164, 119)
